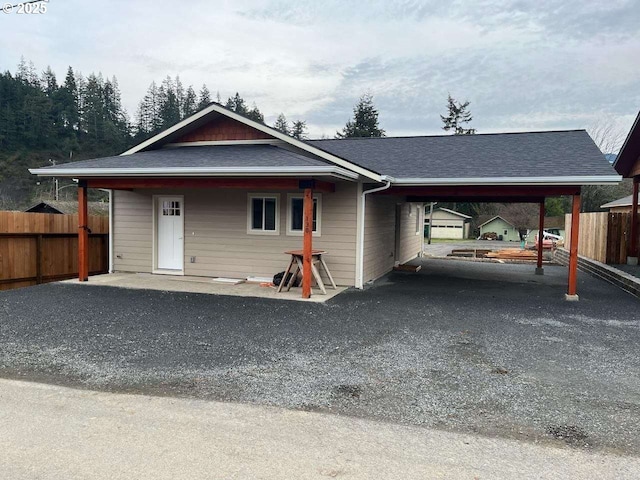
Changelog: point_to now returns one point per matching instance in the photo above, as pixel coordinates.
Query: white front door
(170, 235)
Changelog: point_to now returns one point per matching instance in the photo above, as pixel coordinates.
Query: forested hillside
(45, 120)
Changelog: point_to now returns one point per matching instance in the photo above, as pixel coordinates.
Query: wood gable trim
(223, 128)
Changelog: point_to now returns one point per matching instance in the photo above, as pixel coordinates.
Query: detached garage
(447, 223)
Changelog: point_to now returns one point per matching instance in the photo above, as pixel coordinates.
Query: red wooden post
(633, 244)
(573, 250)
(83, 233)
(307, 222)
(539, 269)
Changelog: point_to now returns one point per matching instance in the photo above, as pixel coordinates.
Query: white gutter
(363, 204)
(507, 181)
(193, 172)
(111, 231)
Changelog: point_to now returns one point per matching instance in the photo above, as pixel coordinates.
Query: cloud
(522, 64)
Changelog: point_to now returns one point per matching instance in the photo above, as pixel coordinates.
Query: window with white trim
(263, 216)
(295, 207)
(418, 222)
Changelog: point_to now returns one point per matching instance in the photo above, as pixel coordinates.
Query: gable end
(222, 129)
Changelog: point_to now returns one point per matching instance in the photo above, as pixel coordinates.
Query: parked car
(550, 240)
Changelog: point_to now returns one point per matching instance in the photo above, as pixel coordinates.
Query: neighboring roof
(494, 218)
(564, 155)
(621, 202)
(462, 215)
(630, 152)
(68, 207)
(200, 160)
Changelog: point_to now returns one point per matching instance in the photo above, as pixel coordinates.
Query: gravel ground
(470, 347)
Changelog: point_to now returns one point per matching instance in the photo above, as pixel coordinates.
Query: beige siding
(216, 234)
(412, 221)
(380, 234)
(132, 229)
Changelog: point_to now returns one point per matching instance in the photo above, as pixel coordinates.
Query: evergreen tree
(281, 124)
(49, 82)
(148, 121)
(255, 114)
(237, 104)
(169, 107)
(299, 130)
(179, 91)
(457, 115)
(68, 100)
(190, 105)
(205, 97)
(364, 122)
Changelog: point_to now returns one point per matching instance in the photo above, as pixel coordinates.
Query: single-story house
(67, 207)
(505, 229)
(446, 223)
(621, 205)
(627, 164)
(219, 194)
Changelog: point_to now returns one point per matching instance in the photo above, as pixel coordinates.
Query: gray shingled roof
(621, 202)
(535, 154)
(223, 156)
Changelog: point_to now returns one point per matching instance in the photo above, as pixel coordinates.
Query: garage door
(447, 231)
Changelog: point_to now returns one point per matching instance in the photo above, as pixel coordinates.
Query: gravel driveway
(471, 347)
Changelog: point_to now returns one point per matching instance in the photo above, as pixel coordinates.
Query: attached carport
(508, 194)
(523, 167)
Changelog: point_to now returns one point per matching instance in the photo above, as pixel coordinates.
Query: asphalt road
(470, 347)
(51, 433)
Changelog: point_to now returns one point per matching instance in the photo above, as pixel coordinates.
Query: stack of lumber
(513, 254)
(469, 252)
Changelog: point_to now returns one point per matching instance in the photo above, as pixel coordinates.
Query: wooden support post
(573, 250)
(539, 269)
(307, 247)
(83, 233)
(634, 252)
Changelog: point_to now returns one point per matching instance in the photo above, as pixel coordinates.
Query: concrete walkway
(181, 283)
(50, 432)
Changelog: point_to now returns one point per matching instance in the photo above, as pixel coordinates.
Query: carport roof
(568, 154)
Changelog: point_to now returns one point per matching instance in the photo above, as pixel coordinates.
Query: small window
(170, 208)
(295, 212)
(263, 215)
(506, 232)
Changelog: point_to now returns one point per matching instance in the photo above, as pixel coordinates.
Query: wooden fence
(41, 247)
(603, 236)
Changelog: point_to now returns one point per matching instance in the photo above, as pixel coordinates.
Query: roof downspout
(363, 203)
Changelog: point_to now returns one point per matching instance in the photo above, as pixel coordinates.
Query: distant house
(447, 223)
(621, 205)
(504, 228)
(64, 207)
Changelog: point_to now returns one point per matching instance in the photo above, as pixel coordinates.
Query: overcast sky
(537, 65)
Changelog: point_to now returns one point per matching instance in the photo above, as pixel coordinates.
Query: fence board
(603, 236)
(592, 238)
(43, 247)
